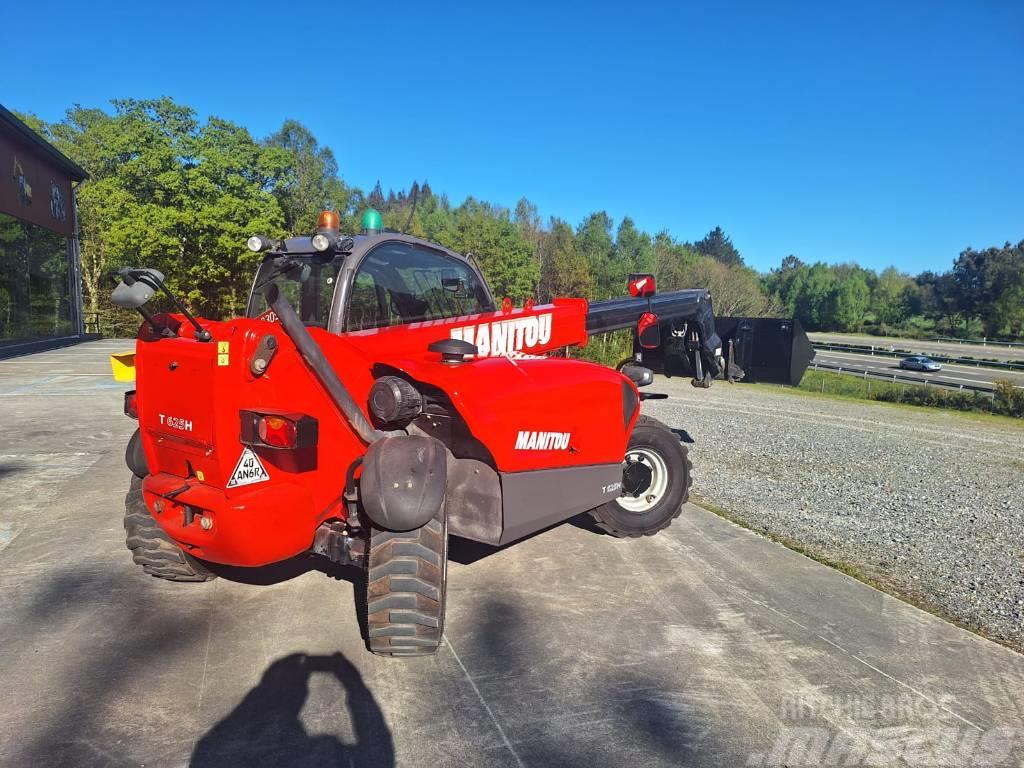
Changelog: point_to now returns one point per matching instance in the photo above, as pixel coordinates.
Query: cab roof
(302, 246)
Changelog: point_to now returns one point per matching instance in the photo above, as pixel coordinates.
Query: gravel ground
(928, 503)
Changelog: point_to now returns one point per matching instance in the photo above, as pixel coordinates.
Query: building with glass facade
(40, 285)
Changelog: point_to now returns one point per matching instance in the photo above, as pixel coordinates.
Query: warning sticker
(270, 316)
(248, 470)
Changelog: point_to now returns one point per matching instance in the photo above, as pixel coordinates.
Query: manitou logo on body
(176, 422)
(543, 441)
(248, 470)
(505, 337)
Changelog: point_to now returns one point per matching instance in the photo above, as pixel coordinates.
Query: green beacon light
(372, 223)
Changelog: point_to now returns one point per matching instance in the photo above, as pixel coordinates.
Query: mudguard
(403, 481)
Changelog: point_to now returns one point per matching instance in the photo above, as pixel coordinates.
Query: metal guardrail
(1006, 366)
(896, 378)
(979, 342)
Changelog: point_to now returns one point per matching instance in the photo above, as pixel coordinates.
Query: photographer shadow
(265, 729)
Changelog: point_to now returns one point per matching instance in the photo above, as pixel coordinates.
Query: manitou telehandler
(375, 400)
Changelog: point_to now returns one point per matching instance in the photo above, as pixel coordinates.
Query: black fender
(403, 481)
(135, 457)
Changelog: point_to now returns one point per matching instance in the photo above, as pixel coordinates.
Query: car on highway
(920, 363)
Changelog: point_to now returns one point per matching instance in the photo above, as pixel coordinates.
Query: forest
(179, 193)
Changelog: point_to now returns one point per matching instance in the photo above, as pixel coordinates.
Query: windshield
(307, 283)
(407, 283)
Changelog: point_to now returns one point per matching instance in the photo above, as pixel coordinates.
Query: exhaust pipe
(314, 357)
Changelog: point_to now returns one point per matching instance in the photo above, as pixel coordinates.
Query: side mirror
(648, 331)
(137, 286)
(638, 374)
(453, 284)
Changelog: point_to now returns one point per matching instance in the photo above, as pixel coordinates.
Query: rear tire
(664, 468)
(153, 549)
(408, 573)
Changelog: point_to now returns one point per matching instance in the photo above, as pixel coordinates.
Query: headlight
(320, 242)
(257, 243)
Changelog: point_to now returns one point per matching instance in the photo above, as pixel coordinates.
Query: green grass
(1006, 408)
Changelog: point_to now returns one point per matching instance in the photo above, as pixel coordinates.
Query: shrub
(1009, 399)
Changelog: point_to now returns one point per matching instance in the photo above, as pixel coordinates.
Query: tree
(849, 302)
(986, 282)
(813, 306)
(168, 192)
(735, 291)
(488, 233)
(670, 262)
(633, 250)
(376, 198)
(888, 299)
(594, 241)
(527, 220)
(311, 183)
(787, 282)
(564, 270)
(719, 247)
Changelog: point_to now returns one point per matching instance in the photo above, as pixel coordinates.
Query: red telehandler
(375, 400)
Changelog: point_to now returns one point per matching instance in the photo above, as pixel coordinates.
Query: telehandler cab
(375, 400)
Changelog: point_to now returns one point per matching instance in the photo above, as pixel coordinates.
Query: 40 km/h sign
(248, 470)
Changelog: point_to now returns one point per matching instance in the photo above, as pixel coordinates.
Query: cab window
(400, 283)
(307, 283)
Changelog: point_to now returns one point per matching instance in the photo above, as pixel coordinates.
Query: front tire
(656, 483)
(406, 584)
(153, 549)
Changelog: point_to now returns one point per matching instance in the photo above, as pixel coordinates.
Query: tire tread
(406, 589)
(153, 549)
(605, 518)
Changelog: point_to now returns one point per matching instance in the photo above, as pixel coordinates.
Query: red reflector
(648, 331)
(642, 286)
(131, 408)
(277, 431)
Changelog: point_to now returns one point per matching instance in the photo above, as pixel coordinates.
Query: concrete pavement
(705, 645)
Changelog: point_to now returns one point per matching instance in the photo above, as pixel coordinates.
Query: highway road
(966, 375)
(705, 645)
(991, 351)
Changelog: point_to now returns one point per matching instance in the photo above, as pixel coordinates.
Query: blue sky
(878, 132)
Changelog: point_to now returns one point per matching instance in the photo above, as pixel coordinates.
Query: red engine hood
(538, 413)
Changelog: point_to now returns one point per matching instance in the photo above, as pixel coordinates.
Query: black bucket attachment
(768, 349)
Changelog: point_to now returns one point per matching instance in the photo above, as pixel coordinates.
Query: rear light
(278, 430)
(131, 407)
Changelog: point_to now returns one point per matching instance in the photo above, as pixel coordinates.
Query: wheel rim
(649, 497)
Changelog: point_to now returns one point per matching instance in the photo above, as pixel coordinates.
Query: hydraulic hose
(314, 357)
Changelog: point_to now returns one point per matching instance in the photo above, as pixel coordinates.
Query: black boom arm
(686, 319)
